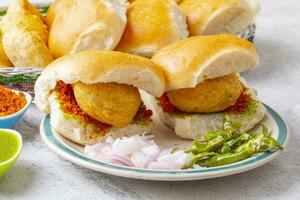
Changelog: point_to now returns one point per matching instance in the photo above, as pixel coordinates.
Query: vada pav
(94, 94)
(203, 85)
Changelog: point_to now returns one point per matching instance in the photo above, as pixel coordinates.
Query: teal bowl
(11, 120)
(11, 159)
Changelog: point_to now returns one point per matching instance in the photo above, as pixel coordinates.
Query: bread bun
(77, 25)
(25, 49)
(55, 10)
(152, 24)
(4, 61)
(25, 36)
(99, 67)
(193, 126)
(191, 61)
(206, 17)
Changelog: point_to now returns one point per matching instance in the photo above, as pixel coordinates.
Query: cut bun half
(188, 62)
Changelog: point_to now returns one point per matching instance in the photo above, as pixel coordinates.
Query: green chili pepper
(225, 147)
(269, 143)
(265, 130)
(227, 124)
(199, 157)
(226, 134)
(252, 146)
(224, 159)
(212, 145)
(230, 145)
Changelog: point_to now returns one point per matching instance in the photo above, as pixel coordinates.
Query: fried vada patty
(110, 103)
(212, 95)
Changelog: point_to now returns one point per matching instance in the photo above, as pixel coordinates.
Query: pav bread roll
(203, 85)
(55, 10)
(93, 94)
(152, 24)
(77, 25)
(25, 36)
(4, 61)
(206, 17)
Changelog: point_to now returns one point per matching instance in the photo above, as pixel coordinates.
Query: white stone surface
(40, 174)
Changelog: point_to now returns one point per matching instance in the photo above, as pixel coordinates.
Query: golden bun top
(152, 24)
(54, 10)
(25, 35)
(4, 61)
(207, 17)
(77, 25)
(193, 60)
(100, 67)
(24, 7)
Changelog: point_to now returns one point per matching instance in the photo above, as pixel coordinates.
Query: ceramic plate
(165, 138)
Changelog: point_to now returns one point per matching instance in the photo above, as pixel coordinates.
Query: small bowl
(6, 165)
(11, 120)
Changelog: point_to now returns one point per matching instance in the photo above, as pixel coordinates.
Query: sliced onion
(118, 159)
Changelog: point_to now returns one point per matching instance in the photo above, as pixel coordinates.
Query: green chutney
(9, 144)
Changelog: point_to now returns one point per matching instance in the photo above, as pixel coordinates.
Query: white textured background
(40, 174)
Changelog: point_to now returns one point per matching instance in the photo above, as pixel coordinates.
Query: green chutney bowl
(10, 149)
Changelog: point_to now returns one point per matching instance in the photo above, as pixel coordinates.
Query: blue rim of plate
(282, 139)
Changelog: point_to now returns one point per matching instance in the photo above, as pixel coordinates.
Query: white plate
(165, 138)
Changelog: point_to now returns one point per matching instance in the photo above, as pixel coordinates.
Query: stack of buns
(140, 27)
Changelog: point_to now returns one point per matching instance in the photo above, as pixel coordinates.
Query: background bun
(152, 24)
(55, 10)
(77, 25)
(191, 61)
(100, 67)
(206, 17)
(24, 49)
(25, 36)
(4, 61)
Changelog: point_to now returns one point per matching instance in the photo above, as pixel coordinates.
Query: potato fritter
(110, 103)
(212, 95)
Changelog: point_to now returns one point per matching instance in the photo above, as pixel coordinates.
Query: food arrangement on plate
(89, 101)
(113, 70)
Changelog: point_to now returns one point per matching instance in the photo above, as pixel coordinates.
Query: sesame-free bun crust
(54, 10)
(206, 17)
(77, 25)
(4, 61)
(25, 36)
(191, 61)
(99, 67)
(152, 24)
